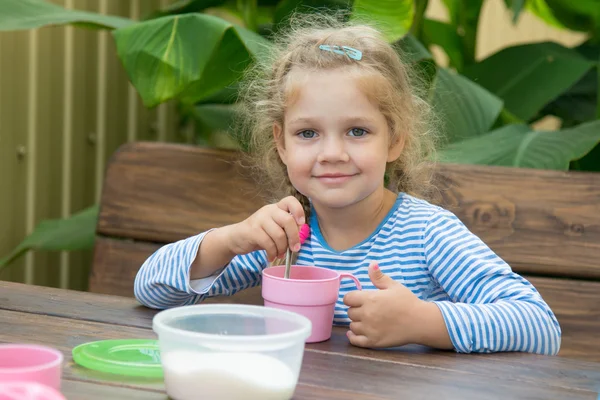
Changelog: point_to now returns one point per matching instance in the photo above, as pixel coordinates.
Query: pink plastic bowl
(30, 363)
(28, 391)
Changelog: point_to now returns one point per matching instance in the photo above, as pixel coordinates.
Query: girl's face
(334, 141)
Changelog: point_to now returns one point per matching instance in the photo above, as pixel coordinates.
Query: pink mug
(310, 291)
(30, 363)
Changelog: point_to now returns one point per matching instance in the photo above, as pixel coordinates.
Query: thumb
(379, 279)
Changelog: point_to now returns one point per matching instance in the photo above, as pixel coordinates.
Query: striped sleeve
(163, 280)
(492, 308)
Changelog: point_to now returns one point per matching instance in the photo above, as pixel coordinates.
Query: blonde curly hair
(264, 96)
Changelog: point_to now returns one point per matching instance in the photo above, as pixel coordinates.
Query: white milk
(191, 375)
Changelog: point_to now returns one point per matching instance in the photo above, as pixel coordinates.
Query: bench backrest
(540, 222)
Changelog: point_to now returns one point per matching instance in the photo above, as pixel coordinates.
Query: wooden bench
(545, 224)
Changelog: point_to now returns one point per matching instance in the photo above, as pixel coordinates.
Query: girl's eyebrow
(359, 121)
(302, 120)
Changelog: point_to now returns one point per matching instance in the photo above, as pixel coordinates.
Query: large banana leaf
(30, 14)
(74, 233)
(392, 17)
(518, 146)
(529, 76)
(465, 109)
(191, 56)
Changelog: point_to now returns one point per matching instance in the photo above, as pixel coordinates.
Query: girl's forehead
(329, 83)
(330, 97)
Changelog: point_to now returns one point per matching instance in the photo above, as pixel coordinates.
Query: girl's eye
(357, 132)
(307, 134)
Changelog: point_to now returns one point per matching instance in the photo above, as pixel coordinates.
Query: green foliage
(74, 233)
(30, 14)
(189, 56)
(392, 17)
(195, 51)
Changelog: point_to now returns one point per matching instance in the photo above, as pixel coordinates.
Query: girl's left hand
(384, 317)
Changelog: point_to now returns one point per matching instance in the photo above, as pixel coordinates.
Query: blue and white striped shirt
(486, 306)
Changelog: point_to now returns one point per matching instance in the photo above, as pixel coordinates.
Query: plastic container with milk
(231, 351)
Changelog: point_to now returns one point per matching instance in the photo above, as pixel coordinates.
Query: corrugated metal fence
(66, 106)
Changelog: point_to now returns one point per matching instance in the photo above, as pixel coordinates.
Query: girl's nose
(333, 149)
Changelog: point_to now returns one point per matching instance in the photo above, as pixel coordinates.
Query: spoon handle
(288, 263)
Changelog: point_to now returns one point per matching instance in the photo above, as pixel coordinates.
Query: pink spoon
(304, 234)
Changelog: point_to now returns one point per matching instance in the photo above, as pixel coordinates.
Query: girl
(331, 118)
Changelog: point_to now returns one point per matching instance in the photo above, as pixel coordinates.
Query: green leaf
(580, 103)
(580, 15)
(529, 76)
(465, 108)
(464, 16)
(590, 162)
(412, 50)
(517, 146)
(516, 6)
(415, 53)
(185, 7)
(192, 56)
(29, 14)
(392, 17)
(541, 9)
(74, 233)
(286, 8)
(213, 123)
(445, 36)
(214, 117)
(488, 149)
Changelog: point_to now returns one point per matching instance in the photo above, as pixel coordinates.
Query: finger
(292, 206)
(358, 340)
(289, 225)
(355, 313)
(265, 242)
(277, 235)
(357, 328)
(356, 298)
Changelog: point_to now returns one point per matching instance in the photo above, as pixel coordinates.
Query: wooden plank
(88, 390)
(164, 192)
(116, 263)
(542, 222)
(576, 305)
(320, 369)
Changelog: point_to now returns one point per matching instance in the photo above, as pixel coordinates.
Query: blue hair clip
(343, 50)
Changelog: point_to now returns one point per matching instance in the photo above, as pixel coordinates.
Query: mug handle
(350, 276)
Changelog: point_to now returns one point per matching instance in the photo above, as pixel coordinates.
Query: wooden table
(331, 370)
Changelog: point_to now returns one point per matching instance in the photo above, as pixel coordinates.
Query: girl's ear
(279, 141)
(396, 148)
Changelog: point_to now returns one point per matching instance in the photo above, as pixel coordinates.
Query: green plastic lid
(132, 357)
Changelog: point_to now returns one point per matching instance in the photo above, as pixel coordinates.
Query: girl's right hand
(273, 228)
